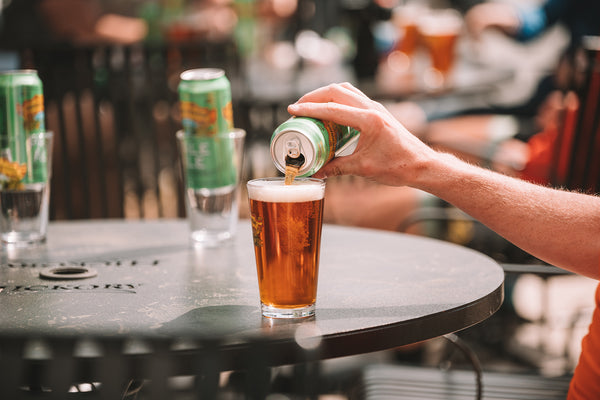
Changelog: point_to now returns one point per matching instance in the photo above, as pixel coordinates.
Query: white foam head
(276, 191)
(440, 22)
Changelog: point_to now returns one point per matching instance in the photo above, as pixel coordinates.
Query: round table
(377, 289)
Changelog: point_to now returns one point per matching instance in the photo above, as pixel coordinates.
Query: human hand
(386, 152)
(495, 15)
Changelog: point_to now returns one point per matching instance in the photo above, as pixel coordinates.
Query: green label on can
(31, 110)
(21, 118)
(205, 99)
(37, 168)
(337, 135)
(209, 162)
(319, 141)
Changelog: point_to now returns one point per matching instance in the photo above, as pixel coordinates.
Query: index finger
(343, 93)
(342, 114)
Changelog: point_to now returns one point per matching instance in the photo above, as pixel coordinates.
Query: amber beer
(441, 47)
(286, 228)
(439, 31)
(405, 20)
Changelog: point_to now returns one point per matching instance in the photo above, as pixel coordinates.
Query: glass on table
(439, 30)
(212, 168)
(25, 192)
(286, 227)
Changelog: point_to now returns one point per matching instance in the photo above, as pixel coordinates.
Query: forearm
(560, 227)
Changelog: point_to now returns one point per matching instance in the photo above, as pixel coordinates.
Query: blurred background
(110, 70)
(117, 63)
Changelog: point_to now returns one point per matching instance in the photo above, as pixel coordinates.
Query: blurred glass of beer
(286, 229)
(405, 19)
(439, 31)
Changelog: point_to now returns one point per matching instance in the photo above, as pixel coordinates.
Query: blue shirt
(580, 18)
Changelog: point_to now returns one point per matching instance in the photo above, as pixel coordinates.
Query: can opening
(294, 156)
(295, 161)
(293, 148)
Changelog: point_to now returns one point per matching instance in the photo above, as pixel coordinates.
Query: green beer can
(22, 123)
(207, 119)
(313, 141)
(205, 99)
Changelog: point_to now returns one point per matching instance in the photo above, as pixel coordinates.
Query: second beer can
(21, 119)
(315, 140)
(207, 118)
(205, 98)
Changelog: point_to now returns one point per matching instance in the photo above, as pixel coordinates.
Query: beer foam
(276, 191)
(440, 23)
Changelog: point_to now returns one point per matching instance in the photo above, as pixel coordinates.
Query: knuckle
(331, 107)
(333, 87)
(374, 119)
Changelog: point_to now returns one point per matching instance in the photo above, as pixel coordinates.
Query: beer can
(316, 140)
(21, 120)
(207, 118)
(205, 99)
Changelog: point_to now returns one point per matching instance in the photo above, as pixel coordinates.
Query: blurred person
(201, 19)
(557, 226)
(524, 22)
(89, 23)
(362, 17)
(40, 22)
(500, 135)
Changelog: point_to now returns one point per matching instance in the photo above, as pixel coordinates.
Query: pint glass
(439, 31)
(286, 229)
(405, 19)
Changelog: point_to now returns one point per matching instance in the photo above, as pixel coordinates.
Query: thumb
(336, 167)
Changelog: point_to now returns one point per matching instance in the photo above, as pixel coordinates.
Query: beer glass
(24, 205)
(211, 169)
(439, 31)
(286, 228)
(405, 19)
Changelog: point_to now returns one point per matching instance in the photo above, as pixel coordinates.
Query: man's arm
(560, 227)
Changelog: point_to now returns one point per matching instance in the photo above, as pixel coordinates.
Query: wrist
(435, 174)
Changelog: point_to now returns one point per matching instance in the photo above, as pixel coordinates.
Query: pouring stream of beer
(292, 166)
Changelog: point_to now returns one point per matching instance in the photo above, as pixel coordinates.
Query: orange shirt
(585, 384)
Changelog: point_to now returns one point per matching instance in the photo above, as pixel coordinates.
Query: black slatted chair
(142, 368)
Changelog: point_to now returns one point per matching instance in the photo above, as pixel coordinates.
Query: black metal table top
(377, 289)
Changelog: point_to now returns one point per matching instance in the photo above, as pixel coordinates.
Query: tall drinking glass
(211, 170)
(440, 30)
(405, 19)
(286, 227)
(25, 193)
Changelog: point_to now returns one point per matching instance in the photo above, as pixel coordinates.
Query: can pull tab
(294, 154)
